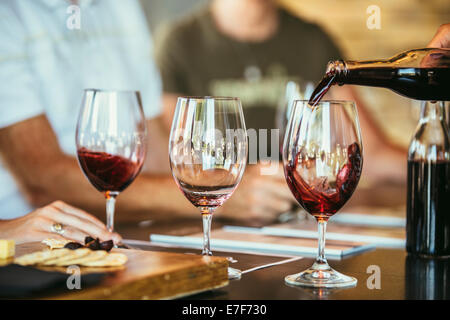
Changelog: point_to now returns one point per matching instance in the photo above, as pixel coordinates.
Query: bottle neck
(337, 68)
(427, 58)
(431, 140)
(432, 112)
(372, 73)
(421, 74)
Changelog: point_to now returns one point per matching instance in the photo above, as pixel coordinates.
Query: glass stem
(207, 218)
(110, 208)
(322, 226)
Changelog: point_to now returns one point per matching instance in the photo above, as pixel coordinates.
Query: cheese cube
(7, 249)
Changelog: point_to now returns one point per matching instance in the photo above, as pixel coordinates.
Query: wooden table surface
(402, 277)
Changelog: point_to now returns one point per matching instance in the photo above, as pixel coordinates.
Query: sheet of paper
(253, 242)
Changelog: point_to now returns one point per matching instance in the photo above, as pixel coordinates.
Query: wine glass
(322, 158)
(208, 155)
(111, 142)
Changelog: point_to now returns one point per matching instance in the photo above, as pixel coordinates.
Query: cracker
(40, 257)
(113, 259)
(72, 255)
(92, 256)
(55, 243)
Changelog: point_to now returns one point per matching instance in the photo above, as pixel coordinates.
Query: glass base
(320, 277)
(234, 274)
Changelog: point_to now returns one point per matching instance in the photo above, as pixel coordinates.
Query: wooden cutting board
(149, 275)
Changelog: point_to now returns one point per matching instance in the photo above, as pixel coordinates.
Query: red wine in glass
(110, 140)
(322, 158)
(321, 198)
(108, 172)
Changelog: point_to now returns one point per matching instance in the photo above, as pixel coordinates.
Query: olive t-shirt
(196, 59)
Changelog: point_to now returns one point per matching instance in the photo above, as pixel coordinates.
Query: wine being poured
(422, 74)
(322, 159)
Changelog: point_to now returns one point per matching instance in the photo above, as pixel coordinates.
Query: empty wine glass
(208, 154)
(322, 158)
(110, 140)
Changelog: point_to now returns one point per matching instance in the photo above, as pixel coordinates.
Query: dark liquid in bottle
(428, 208)
(415, 83)
(427, 279)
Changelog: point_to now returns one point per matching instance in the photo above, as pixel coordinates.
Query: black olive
(88, 239)
(73, 245)
(107, 245)
(94, 244)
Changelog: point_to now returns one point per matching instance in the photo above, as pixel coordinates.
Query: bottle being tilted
(422, 74)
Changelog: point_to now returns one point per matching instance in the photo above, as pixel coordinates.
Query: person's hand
(442, 37)
(37, 225)
(259, 198)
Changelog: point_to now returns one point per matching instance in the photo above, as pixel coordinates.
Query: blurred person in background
(250, 49)
(44, 68)
(77, 224)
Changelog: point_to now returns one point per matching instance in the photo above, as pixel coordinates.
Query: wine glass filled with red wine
(110, 140)
(208, 154)
(322, 158)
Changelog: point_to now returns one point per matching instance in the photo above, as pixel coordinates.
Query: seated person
(250, 49)
(44, 68)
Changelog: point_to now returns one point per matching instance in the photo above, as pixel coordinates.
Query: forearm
(4, 229)
(7, 230)
(147, 197)
(45, 174)
(14, 229)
